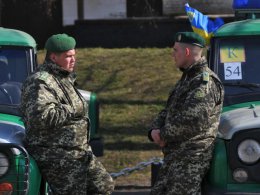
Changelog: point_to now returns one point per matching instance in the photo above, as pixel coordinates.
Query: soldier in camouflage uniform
(187, 127)
(57, 125)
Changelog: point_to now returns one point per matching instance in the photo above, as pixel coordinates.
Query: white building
(117, 9)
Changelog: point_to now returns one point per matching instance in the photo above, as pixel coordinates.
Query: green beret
(60, 43)
(190, 38)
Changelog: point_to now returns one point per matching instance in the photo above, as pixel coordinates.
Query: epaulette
(205, 77)
(43, 76)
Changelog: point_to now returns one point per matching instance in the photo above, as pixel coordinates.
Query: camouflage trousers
(81, 176)
(180, 177)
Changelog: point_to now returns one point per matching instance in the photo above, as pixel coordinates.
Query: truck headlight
(4, 164)
(249, 151)
(240, 175)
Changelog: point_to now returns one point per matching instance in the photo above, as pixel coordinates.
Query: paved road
(132, 191)
(136, 192)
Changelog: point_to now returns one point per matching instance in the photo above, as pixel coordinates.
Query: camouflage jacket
(54, 112)
(189, 122)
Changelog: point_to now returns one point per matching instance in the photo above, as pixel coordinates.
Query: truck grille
(234, 160)
(16, 180)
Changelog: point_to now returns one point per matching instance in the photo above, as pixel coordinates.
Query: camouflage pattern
(57, 133)
(188, 125)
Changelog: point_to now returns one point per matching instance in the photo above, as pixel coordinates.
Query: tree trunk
(39, 18)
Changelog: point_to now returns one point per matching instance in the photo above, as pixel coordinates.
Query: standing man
(187, 127)
(57, 125)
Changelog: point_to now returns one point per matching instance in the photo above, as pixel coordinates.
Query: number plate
(233, 71)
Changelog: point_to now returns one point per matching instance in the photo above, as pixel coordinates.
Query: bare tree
(40, 18)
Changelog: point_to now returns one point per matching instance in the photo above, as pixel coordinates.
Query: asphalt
(133, 190)
(131, 193)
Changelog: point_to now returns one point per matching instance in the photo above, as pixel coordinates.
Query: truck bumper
(211, 191)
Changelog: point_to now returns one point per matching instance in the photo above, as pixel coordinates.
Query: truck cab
(233, 55)
(19, 173)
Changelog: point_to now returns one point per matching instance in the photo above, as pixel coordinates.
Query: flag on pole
(201, 24)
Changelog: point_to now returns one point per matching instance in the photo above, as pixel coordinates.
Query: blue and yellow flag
(201, 24)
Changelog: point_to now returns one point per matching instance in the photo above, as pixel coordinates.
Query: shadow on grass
(88, 78)
(149, 90)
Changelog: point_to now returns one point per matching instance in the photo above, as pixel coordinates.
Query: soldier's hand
(157, 137)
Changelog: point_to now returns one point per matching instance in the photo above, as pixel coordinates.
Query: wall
(176, 7)
(101, 9)
(118, 9)
(70, 12)
(156, 32)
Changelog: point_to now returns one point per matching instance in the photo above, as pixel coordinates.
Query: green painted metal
(93, 115)
(12, 37)
(233, 186)
(242, 105)
(217, 175)
(13, 174)
(220, 175)
(249, 27)
(11, 118)
(35, 178)
(246, 188)
(16, 173)
(34, 175)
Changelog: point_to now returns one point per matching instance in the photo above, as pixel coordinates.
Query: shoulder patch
(205, 77)
(199, 95)
(43, 76)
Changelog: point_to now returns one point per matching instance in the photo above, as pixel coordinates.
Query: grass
(132, 86)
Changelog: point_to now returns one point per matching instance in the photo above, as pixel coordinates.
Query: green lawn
(132, 86)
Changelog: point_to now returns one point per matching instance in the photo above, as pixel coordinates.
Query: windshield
(238, 66)
(13, 72)
(11, 132)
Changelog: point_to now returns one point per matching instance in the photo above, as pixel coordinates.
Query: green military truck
(19, 173)
(233, 55)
